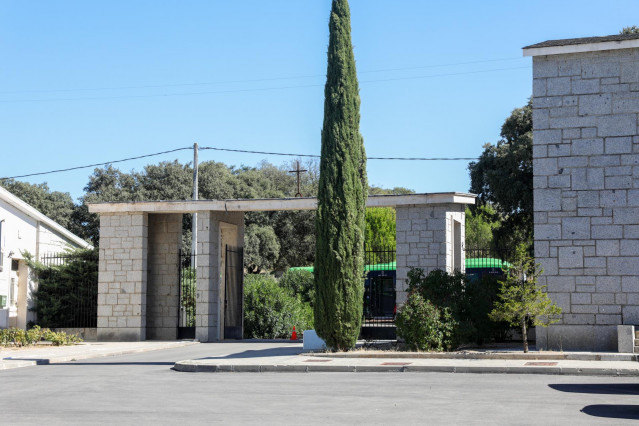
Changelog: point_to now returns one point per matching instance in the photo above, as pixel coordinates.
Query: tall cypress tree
(340, 223)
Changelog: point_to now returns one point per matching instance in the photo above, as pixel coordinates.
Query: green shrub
(300, 283)
(60, 338)
(271, 311)
(469, 303)
(13, 337)
(19, 337)
(482, 295)
(423, 326)
(441, 288)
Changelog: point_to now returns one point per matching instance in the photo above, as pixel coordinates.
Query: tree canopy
(503, 177)
(481, 224)
(630, 30)
(57, 206)
(172, 180)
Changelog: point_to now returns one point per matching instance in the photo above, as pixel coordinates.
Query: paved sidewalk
(563, 363)
(40, 354)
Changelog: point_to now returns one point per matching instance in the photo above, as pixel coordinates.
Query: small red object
(294, 335)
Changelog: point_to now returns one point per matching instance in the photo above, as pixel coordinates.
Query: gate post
(429, 236)
(209, 316)
(122, 277)
(162, 300)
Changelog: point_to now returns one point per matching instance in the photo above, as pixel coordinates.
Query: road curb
(194, 367)
(9, 364)
(482, 356)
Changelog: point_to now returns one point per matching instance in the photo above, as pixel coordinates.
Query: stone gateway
(138, 291)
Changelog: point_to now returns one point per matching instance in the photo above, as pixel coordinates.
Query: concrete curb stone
(10, 363)
(190, 366)
(531, 356)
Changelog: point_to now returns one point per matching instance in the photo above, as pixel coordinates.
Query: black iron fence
(67, 294)
(483, 261)
(380, 295)
(234, 293)
(380, 285)
(188, 288)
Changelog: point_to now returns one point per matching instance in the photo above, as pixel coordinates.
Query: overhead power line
(97, 164)
(256, 80)
(242, 151)
(218, 92)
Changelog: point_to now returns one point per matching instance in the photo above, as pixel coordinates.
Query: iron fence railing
(380, 295)
(67, 294)
(488, 257)
(188, 289)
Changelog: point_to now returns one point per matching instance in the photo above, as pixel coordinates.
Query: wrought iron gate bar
(378, 322)
(187, 295)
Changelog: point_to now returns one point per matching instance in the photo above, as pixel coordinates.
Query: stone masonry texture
(586, 192)
(210, 271)
(122, 277)
(162, 299)
(424, 235)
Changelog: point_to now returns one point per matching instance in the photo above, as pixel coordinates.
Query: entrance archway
(139, 256)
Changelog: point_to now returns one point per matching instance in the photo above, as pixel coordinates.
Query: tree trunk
(524, 334)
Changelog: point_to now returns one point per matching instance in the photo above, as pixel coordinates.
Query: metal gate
(188, 286)
(379, 296)
(234, 293)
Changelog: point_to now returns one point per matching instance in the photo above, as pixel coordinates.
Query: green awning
(471, 263)
(302, 268)
(480, 262)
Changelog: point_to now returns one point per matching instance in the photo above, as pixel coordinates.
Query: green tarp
(471, 263)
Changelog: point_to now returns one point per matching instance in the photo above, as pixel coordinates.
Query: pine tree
(340, 222)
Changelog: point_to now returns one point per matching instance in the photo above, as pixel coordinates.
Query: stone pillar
(586, 193)
(429, 237)
(162, 300)
(213, 236)
(122, 277)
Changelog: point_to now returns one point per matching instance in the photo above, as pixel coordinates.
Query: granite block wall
(162, 298)
(426, 239)
(213, 235)
(122, 278)
(586, 193)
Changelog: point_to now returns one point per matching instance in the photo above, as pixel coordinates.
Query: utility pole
(195, 197)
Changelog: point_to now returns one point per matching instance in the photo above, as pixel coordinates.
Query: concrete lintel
(276, 204)
(580, 48)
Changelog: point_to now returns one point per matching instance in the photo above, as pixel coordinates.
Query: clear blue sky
(73, 79)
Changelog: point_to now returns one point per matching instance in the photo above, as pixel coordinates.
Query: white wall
(22, 233)
(19, 232)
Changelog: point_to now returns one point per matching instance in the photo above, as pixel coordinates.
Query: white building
(25, 229)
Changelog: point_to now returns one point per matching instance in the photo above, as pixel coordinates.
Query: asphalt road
(142, 389)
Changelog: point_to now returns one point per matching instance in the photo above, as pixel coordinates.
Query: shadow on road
(612, 411)
(602, 389)
(113, 363)
(259, 353)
